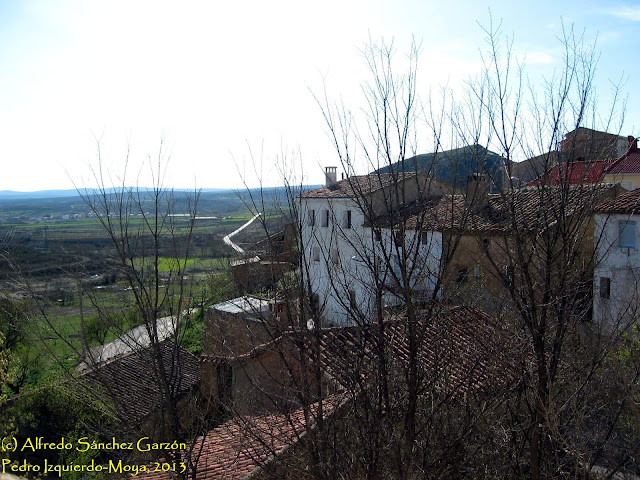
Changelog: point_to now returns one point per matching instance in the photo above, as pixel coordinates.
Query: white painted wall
(622, 266)
(339, 260)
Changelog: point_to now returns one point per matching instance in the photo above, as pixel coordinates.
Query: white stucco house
(616, 299)
(352, 249)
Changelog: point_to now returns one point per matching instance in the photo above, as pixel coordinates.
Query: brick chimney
(633, 144)
(477, 196)
(331, 176)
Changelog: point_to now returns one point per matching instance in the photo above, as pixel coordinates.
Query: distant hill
(453, 166)
(211, 201)
(11, 194)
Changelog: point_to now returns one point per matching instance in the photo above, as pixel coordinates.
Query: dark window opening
(605, 288)
(325, 218)
(225, 382)
(347, 219)
(508, 275)
(353, 299)
(398, 238)
(461, 276)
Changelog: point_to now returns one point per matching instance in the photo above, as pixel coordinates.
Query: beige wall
(228, 335)
(630, 181)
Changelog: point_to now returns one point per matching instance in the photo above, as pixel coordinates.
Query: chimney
(477, 196)
(633, 143)
(331, 176)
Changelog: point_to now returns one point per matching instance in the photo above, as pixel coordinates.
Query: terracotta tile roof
(573, 173)
(132, 380)
(466, 344)
(628, 163)
(357, 185)
(531, 208)
(627, 203)
(460, 349)
(239, 448)
(592, 172)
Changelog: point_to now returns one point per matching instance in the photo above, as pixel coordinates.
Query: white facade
(616, 280)
(342, 257)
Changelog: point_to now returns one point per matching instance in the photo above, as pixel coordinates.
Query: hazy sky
(217, 80)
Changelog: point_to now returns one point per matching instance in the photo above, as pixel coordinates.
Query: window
(398, 238)
(314, 303)
(477, 272)
(316, 254)
(225, 382)
(353, 299)
(605, 288)
(461, 276)
(312, 218)
(346, 219)
(425, 238)
(485, 245)
(627, 234)
(507, 275)
(325, 218)
(335, 257)
(378, 234)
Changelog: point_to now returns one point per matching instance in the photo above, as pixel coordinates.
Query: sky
(221, 92)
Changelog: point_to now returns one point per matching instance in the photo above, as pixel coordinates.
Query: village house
(587, 148)
(617, 273)
(461, 354)
(340, 253)
(623, 169)
(130, 386)
(462, 246)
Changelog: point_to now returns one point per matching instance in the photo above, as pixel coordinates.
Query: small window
(312, 218)
(425, 238)
(377, 234)
(314, 302)
(316, 254)
(477, 272)
(605, 288)
(346, 219)
(398, 238)
(461, 276)
(627, 234)
(353, 299)
(335, 257)
(485, 245)
(325, 218)
(507, 275)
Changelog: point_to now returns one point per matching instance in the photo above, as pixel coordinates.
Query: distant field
(168, 264)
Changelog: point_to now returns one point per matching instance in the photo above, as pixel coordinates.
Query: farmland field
(57, 255)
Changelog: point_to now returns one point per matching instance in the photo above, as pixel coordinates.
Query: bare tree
(131, 360)
(382, 363)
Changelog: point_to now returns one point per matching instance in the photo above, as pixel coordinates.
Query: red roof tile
(628, 163)
(460, 349)
(132, 380)
(240, 447)
(627, 203)
(573, 173)
(531, 208)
